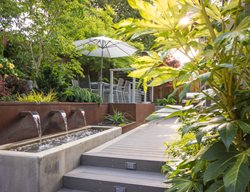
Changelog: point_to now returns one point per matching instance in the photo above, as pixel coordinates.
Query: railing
(131, 91)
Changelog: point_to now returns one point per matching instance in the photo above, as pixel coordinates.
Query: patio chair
(118, 91)
(127, 92)
(93, 86)
(75, 83)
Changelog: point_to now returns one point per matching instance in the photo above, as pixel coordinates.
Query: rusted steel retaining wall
(15, 128)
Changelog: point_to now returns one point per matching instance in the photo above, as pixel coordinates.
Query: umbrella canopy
(105, 47)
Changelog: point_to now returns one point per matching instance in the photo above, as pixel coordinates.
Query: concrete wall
(43, 171)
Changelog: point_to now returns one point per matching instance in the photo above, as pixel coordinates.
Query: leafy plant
(165, 101)
(6, 67)
(52, 77)
(95, 98)
(183, 148)
(214, 36)
(77, 94)
(37, 97)
(8, 98)
(117, 118)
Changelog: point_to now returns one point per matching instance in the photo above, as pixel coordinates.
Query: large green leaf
(244, 126)
(230, 5)
(227, 133)
(237, 178)
(224, 65)
(216, 187)
(204, 77)
(183, 93)
(182, 185)
(217, 151)
(138, 73)
(161, 79)
(215, 169)
(239, 32)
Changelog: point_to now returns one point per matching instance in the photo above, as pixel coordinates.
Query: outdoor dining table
(101, 86)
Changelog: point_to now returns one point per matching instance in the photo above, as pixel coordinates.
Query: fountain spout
(64, 117)
(82, 115)
(36, 119)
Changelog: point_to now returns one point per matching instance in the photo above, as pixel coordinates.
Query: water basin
(49, 143)
(42, 170)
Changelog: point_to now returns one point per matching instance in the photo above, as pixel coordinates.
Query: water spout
(37, 120)
(64, 118)
(83, 115)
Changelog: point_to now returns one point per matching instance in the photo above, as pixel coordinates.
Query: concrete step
(103, 179)
(121, 162)
(70, 190)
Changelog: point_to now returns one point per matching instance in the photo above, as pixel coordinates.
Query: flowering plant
(6, 67)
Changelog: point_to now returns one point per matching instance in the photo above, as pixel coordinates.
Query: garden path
(130, 163)
(145, 142)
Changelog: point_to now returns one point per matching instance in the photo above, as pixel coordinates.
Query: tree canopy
(41, 33)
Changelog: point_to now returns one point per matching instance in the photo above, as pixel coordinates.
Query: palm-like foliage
(216, 39)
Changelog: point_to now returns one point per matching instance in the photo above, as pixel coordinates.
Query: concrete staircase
(113, 174)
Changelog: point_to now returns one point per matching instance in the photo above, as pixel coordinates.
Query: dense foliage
(77, 94)
(37, 37)
(6, 67)
(37, 97)
(40, 33)
(165, 101)
(215, 36)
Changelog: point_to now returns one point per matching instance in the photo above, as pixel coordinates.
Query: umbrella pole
(101, 78)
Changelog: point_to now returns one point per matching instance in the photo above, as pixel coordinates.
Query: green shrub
(77, 94)
(52, 77)
(95, 98)
(183, 148)
(37, 97)
(165, 101)
(117, 118)
(8, 98)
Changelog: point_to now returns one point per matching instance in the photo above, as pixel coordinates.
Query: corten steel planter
(15, 128)
(134, 112)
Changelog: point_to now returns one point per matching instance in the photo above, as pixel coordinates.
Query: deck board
(144, 142)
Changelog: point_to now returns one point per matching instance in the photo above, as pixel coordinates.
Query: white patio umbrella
(105, 47)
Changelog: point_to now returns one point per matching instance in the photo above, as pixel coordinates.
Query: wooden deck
(145, 142)
(130, 163)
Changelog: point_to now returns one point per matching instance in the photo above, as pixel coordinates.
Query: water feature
(49, 143)
(43, 171)
(83, 115)
(36, 119)
(64, 118)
